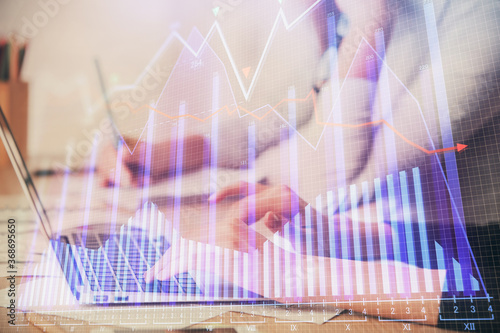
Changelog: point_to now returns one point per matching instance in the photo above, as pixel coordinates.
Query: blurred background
(63, 38)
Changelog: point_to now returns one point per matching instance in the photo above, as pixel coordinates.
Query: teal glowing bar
(408, 231)
(217, 272)
(474, 283)
(245, 275)
(47, 269)
(35, 276)
(298, 257)
(208, 258)
(65, 270)
(91, 260)
(344, 241)
(381, 231)
(424, 246)
(464, 253)
(441, 265)
(310, 275)
(458, 275)
(396, 243)
(321, 247)
(266, 270)
(369, 240)
(121, 268)
(182, 262)
(357, 242)
(332, 242)
(127, 252)
(191, 255)
(226, 273)
(277, 266)
(236, 268)
(143, 266)
(75, 275)
(288, 268)
(105, 267)
(159, 231)
(199, 259)
(53, 264)
(98, 267)
(294, 164)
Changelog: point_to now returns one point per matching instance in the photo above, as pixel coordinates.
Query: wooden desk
(229, 321)
(356, 323)
(45, 323)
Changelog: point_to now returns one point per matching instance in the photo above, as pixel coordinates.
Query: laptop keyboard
(117, 263)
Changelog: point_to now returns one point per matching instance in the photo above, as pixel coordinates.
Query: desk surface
(344, 322)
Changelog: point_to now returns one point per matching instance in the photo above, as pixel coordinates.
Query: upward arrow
(461, 147)
(246, 71)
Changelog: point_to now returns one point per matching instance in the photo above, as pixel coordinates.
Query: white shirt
(409, 86)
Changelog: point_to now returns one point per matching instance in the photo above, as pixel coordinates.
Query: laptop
(104, 266)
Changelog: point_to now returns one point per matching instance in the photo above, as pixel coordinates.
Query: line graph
(216, 28)
(244, 73)
(459, 147)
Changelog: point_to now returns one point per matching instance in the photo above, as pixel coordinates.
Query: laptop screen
(23, 174)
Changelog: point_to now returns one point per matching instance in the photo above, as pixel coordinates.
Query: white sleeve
(471, 69)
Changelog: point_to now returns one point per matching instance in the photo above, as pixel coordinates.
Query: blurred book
(12, 55)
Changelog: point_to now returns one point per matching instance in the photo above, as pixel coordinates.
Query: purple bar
(357, 240)
(148, 158)
(254, 281)
(344, 240)
(464, 253)
(332, 243)
(277, 266)
(294, 164)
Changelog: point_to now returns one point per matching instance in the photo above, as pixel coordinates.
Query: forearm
(167, 155)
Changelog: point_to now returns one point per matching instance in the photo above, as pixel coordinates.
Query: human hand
(260, 271)
(256, 200)
(274, 207)
(120, 167)
(232, 234)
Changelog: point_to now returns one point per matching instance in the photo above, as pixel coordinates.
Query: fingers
(112, 167)
(273, 221)
(166, 268)
(168, 272)
(238, 189)
(154, 272)
(269, 225)
(232, 190)
(279, 199)
(168, 265)
(262, 225)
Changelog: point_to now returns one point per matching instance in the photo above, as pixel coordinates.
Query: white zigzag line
(216, 28)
